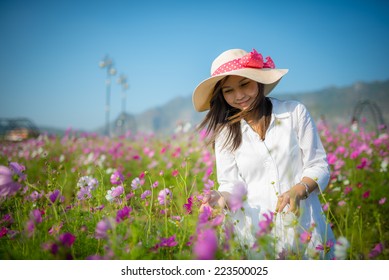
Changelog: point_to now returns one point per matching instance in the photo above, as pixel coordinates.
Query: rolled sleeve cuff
(320, 176)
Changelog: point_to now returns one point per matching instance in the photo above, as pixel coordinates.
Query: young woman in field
(268, 153)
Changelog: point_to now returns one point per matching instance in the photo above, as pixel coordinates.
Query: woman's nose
(239, 94)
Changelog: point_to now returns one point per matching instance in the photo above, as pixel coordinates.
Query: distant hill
(337, 105)
(334, 104)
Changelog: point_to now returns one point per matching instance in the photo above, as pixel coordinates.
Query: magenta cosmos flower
(188, 206)
(206, 246)
(123, 214)
(67, 239)
(168, 242)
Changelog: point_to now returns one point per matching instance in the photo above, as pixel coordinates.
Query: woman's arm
(227, 175)
(315, 173)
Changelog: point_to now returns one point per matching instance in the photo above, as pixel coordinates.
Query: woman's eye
(227, 91)
(244, 84)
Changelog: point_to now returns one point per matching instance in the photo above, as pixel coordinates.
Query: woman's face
(240, 92)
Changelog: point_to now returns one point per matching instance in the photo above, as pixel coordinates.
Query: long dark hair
(221, 115)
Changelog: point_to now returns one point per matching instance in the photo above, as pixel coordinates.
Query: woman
(272, 149)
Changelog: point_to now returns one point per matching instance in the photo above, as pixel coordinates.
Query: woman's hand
(214, 199)
(291, 197)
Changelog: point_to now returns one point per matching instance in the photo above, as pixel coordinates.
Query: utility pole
(111, 71)
(122, 80)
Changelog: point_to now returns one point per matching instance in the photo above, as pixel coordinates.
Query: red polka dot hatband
(240, 63)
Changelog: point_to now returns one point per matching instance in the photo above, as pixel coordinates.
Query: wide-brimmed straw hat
(240, 63)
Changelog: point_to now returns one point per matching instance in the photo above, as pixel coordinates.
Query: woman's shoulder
(286, 106)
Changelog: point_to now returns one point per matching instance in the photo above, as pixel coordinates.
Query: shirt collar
(278, 112)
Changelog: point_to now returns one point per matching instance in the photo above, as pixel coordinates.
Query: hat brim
(202, 94)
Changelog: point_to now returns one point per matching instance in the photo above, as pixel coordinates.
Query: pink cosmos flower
(177, 152)
(206, 245)
(208, 185)
(6, 220)
(238, 196)
(188, 206)
(341, 203)
(145, 194)
(88, 182)
(382, 201)
(265, 224)
(34, 196)
(86, 185)
(149, 152)
(203, 134)
(142, 176)
(18, 169)
(136, 183)
(354, 154)
(218, 220)
(175, 173)
(55, 229)
(8, 186)
(366, 194)
(36, 216)
(3, 231)
(326, 248)
(205, 215)
(364, 163)
(116, 192)
(340, 150)
(117, 178)
(164, 196)
(305, 237)
(30, 227)
(347, 190)
(331, 158)
(101, 229)
(84, 193)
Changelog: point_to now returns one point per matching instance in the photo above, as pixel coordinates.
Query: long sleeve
(315, 164)
(226, 168)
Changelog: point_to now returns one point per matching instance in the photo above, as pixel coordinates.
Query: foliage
(138, 197)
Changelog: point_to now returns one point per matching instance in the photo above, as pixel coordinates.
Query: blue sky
(50, 50)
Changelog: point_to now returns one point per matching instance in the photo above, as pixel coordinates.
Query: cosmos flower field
(87, 197)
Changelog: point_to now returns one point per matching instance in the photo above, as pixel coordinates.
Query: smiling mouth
(243, 102)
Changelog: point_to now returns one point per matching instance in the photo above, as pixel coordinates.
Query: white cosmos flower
(289, 219)
(109, 196)
(384, 165)
(341, 247)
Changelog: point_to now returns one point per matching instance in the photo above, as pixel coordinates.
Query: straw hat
(241, 63)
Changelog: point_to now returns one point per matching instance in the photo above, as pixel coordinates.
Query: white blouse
(291, 150)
